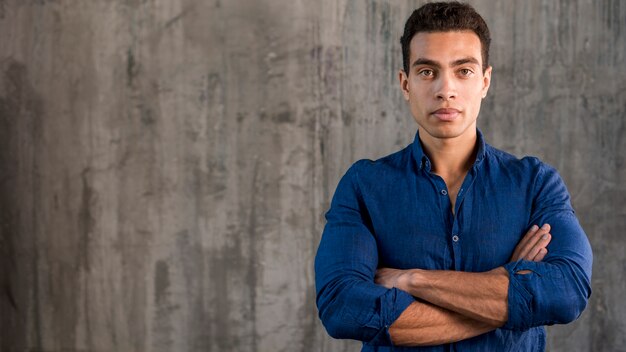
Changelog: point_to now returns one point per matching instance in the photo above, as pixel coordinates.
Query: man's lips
(446, 114)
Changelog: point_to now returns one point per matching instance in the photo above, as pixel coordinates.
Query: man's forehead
(464, 32)
(446, 47)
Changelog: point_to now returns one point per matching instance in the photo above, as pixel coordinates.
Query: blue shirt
(394, 212)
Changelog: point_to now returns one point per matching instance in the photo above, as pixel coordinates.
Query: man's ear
(404, 83)
(486, 80)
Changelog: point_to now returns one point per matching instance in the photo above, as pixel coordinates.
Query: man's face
(446, 82)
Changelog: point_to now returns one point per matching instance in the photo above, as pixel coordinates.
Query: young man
(450, 244)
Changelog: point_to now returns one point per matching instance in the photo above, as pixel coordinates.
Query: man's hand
(391, 278)
(533, 245)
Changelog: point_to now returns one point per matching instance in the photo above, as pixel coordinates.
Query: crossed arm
(419, 307)
(456, 305)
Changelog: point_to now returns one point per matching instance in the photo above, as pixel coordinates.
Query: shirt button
(444, 192)
(455, 238)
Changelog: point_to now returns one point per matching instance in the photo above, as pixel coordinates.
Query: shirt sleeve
(557, 289)
(350, 304)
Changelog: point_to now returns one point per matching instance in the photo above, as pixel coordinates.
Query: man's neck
(451, 157)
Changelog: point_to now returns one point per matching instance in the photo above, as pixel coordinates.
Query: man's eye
(465, 72)
(426, 73)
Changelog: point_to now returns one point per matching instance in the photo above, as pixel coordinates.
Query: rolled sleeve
(350, 304)
(557, 289)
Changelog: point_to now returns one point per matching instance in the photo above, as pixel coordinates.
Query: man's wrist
(412, 281)
(499, 271)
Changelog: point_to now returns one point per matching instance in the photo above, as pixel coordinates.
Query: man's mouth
(446, 114)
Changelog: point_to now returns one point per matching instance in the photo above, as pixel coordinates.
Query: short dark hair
(445, 17)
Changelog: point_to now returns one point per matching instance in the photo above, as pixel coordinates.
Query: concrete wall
(165, 165)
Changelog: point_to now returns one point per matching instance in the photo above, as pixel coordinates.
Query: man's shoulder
(508, 160)
(389, 164)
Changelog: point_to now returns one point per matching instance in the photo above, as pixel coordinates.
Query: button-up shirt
(395, 212)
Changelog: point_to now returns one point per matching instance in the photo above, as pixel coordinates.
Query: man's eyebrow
(433, 63)
(427, 62)
(465, 60)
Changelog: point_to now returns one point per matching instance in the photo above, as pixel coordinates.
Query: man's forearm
(479, 296)
(424, 324)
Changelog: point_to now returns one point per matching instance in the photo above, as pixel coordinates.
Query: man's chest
(415, 228)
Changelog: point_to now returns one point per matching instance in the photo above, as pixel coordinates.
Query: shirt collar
(424, 163)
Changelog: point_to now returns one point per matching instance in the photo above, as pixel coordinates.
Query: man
(450, 244)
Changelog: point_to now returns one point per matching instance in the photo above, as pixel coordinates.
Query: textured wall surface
(165, 165)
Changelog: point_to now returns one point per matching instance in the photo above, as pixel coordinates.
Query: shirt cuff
(520, 300)
(392, 304)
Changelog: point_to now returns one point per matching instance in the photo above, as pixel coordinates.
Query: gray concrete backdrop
(165, 165)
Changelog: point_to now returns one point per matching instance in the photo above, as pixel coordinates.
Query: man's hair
(445, 17)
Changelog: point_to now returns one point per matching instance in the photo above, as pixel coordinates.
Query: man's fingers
(536, 242)
(529, 234)
(531, 243)
(539, 246)
(540, 255)
(517, 253)
(527, 242)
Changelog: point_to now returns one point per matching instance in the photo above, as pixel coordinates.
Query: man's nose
(446, 88)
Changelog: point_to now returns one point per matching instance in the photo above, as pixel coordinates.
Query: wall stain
(9, 225)
(227, 264)
(219, 334)
(178, 17)
(251, 278)
(283, 114)
(162, 322)
(86, 220)
(86, 226)
(21, 111)
(161, 282)
(347, 118)
(146, 115)
(132, 69)
(191, 258)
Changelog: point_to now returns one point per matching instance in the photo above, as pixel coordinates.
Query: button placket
(456, 244)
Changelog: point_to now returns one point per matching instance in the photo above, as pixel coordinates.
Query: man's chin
(443, 133)
(449, 131)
